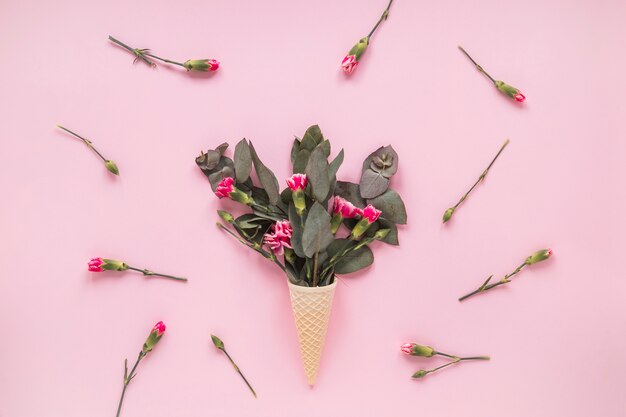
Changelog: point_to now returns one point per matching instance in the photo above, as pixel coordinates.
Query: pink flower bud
(95, 265)
(159, 328)
(225, 187)
(407, 348)
(345, 208)
(519, 97)
(349, 64)
(371, 213)
(297, 182)
(214, 64)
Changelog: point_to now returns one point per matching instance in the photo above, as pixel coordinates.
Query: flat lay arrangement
(268, 236)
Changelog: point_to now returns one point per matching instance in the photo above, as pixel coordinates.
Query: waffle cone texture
(311, 311)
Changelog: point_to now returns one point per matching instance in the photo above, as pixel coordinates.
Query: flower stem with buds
(147, 272)
(478, 67)
(449, 212)
(110, 165)
(382, 17)
(422, 373)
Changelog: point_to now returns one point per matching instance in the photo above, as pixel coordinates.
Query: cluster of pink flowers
(297, 182)
(225, 187)
(95, 265)
(280, 238)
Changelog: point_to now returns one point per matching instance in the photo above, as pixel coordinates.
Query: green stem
(254, 247)
(150, 273)
(85, 141)
(382, 17)
(137, 52)
(239, 372)
(127, 379)
(456, 360)
(486, 286)
(482, 176)
(165, 60)
(478, 67)
(315, 269)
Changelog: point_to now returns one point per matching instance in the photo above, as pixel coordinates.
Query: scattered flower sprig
(153, 338)
(144, 55)
(503, 87)
(220, 345)
(539, 256)
(351, 60)
(413, 349)
(110, 165)
(449, 212)
(102, 264)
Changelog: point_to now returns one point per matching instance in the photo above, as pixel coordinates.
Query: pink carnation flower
(95, 265)
(159, 328)
(280, 238)
(225, 187)
(349, 64)
(345, 208)
(407, 348)
(214, 64)
(297, 182)
(519, 97)
(371, 213)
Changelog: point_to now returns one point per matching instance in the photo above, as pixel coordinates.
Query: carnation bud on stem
(109, 165)
(220, 345)
(103, 264)
(539, 256)
(423, 372)
(503, 87)
(153, 338)
(447, 215)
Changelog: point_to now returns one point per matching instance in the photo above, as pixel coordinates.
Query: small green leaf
(317, 174)
(301, 161)
(243, 160)
(296, 235)
(312, 137)
(355, 260)
(266, 176)
(392, 206)
(316, 235)
(295, 148)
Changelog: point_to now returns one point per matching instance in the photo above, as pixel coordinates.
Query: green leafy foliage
(266, 176)
(243, 160)
(316, 235)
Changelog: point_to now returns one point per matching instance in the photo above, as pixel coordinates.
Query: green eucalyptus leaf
(392, 236)
(316, 235)
(301, 161)
(339, 245)
(243, 160)
(312, 137)
(392, 206)
(296, 235)
(325, 145)
(225, 168)
(350, 191)
(317, 174)
(383, 160)
(373, 184)
(295, 148)
(266, 176)
(335, 164)
(355, 260)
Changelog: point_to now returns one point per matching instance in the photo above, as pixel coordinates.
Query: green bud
(538, 256)
(241, 197)
(197, 65)
(448, 214)
(217, 342)
(360, 228)
(510, 91)
(110, 165)
(360, 47)
(335, 222)
(381, 233)
(420, 374)
(226, 216)
(113, 265)
(420, 350)
(299, 201)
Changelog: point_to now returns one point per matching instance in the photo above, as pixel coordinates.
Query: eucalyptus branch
(449, 212)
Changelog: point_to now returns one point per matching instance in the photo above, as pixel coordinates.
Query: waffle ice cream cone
(311, 311)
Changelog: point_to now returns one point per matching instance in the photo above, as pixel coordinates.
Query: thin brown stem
(478, 67)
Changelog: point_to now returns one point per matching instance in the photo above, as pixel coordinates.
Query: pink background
(556, 335)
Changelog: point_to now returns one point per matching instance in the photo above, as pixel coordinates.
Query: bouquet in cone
(300, 228)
